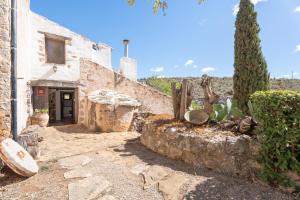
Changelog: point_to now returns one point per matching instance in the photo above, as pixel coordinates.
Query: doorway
(62, 104)
(67, 106)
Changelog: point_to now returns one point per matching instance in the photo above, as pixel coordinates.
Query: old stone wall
(76, 47)
(94, 77)
(5, 65)
(219, 151)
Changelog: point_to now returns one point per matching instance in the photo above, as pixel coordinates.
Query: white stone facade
(32, 29)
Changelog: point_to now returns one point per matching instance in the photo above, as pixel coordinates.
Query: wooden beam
(174, 98)
(183, 99)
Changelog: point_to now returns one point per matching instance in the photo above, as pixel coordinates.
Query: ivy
(278, 115)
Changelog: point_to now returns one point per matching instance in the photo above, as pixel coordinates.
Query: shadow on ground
(7, 177)
(73, 128)
(216, 186)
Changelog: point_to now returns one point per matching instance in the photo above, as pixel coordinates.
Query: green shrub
(162, 84)
(42, 110)
(278, 116)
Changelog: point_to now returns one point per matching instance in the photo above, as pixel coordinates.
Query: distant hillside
(222, 86)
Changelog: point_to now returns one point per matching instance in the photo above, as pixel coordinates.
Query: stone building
(57, 68)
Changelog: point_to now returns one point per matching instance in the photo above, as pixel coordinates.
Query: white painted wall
(78, 47)
(23, 63)
(128, 68)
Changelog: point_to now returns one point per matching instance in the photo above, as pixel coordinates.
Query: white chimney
(126, 42)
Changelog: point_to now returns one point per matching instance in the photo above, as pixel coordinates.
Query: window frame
(60, 40)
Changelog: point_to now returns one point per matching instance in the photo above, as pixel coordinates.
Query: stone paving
(115, 166)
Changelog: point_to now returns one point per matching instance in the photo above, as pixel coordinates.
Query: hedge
(278, 116)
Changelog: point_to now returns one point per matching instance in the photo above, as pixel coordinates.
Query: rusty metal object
(17, 158)
(197, 117)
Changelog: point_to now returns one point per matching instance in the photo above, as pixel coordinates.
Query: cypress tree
(250, 68)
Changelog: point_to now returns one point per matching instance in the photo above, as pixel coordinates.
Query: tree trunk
(210, 98)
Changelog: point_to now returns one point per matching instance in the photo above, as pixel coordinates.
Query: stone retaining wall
(220, 151)
(5, 65)
(94, 77)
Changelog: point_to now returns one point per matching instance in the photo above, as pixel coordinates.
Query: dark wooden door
(67, 106)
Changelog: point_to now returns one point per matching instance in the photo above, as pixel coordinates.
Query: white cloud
(257, 1)
(298, 48)
(202, 22)
(297, 9)
(195, 66)
(162, 76)
(208, 69)
(189, 62)
(235, 9)
(286, 76)
(157, 69)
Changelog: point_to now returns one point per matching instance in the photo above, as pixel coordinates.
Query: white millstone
(89, 188)
(74, 162)
(110, 97)
(17, 158)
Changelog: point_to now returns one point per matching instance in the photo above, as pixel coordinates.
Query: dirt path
(79, 165)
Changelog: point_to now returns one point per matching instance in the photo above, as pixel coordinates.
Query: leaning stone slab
(74, 162)
(170, 187)
(89, 188)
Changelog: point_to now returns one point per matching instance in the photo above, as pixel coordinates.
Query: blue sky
(190, 40)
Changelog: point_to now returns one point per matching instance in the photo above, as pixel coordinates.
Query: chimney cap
(125, 41)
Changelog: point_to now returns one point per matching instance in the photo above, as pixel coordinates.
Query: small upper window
(55, 51)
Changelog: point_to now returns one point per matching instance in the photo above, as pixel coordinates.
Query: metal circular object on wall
(17, 158)
(198, 117)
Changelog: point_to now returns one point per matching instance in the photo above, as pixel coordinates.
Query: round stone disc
(17, 158)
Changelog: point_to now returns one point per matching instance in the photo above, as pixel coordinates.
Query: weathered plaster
(5, 65)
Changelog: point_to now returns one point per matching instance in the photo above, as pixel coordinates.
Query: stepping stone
(79, 173)
(171, 187)
(107, 197)
(89, 188)
(74, 162)
(138, 169)
(153, 175)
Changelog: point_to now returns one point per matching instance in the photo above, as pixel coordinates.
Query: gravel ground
(114, 155)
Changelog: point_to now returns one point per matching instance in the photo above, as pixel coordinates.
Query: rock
(29, 140)
(138, 169)
(89, 188)
(80, 173)
(138, 121)
(74, 162)
(153, 175)
(107, 197)
(171, 187)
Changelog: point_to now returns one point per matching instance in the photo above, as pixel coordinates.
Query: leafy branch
(159, 4)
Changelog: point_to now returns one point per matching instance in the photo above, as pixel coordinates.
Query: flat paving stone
(83, 172)
(153, 175)
(89, 188)
(171, 186)
(107, 197)
(139, 168)
(74, 162)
